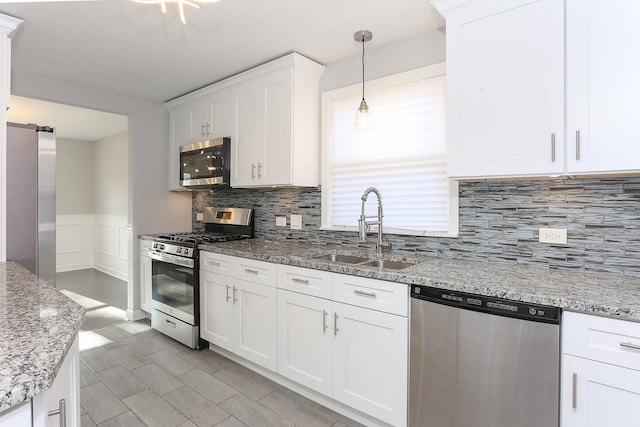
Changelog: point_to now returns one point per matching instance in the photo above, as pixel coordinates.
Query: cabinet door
(255, 323)
(275, 166)
(305, 337)
(65, 386)
(218, 121)
(217, 297)
(505, 70)
(598, 394)
(145, 283)
(370, 362)
(179, 134)
(199, 121)
(248, 129)
(603, 89)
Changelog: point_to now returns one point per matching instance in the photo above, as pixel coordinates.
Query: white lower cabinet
(354, 354)
(598, 394)
(63, 393)
(239, 316)
(370, 354)
(600, 371)
(305, 340)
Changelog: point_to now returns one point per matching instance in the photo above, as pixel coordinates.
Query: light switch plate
(552, 235)
(296, 222)
(281, 221)
(199, 217)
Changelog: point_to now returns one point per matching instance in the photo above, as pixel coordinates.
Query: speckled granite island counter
(593, 293)
(38, 326)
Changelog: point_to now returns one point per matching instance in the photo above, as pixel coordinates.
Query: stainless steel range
(175, 277)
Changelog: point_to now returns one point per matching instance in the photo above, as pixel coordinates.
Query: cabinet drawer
(218, 263)
(602, 339)
(370, 293)
(305, 280)
(254, 271)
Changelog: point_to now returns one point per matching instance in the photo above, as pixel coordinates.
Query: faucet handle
(385, 244)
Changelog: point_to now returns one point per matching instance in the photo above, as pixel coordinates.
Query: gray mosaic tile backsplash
(499, 222)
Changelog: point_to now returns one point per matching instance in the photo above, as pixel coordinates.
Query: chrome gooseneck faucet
(364, 226)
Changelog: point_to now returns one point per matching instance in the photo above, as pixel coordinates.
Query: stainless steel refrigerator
(31, 198)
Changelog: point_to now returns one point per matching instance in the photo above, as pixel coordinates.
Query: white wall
(74, 177)
(111, 175)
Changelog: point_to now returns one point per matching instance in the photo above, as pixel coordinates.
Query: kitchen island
(591, 293)
(39, 327)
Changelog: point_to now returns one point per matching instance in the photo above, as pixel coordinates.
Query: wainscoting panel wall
(93, 241)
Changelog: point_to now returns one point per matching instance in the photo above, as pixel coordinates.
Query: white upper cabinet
(603, 87)
(271, 113)
(507, 82)
(274, 146)
(505, 74)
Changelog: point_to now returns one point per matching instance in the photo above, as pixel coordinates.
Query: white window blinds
(403, 155)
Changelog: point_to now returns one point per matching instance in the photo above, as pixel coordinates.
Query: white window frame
(327, 98)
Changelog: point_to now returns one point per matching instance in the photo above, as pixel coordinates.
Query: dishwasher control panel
(488, 304)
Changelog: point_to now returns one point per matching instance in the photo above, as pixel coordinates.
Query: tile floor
(130, 375)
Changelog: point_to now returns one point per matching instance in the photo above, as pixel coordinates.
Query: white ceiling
(134, 49)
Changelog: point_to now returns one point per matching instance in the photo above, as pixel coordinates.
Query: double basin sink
(364, 262)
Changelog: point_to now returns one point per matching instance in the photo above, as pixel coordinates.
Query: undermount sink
(345, 259)
(381, 263)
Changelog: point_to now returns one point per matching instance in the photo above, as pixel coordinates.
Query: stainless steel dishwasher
(478, 361)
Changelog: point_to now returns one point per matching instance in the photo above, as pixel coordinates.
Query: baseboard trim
(111, 271)
(132, 315)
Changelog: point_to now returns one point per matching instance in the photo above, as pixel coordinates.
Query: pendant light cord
(363, 66)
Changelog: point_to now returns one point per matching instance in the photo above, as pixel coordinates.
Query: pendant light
(363, 115)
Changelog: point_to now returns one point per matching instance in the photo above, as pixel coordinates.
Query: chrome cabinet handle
(259, 170)
(170, 323)
(365, 293)
(574, 395)
(630, 345)
(301, 281)
(253, 171)
(553, 147)
(228, 297)
(235, 299)
(202, 130)
(324, 321)
(208, 129)
(577, 145)
(62, 411)
(248, 270)
(335, 324)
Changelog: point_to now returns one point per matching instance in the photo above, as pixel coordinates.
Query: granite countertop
(593, 293)
(38, 326)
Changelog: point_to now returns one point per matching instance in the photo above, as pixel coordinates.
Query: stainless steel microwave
(205, 164)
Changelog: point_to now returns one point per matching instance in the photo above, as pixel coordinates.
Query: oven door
(173, 282)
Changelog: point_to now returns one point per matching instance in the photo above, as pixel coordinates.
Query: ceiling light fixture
(363, 115)
(181, 5)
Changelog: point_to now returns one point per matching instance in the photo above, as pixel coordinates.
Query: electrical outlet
(281, 221)
(296, 222)
(552, 235)
(199, 216)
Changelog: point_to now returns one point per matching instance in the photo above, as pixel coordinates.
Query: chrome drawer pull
(335, 324)
(301, 281)
(630, 345)
(62, 411)
(234, 295)
(574, 396)
(253, 171)
(553, 147)
(365, 293)
(246, 270)
(170, 323)
(228, 297)
(577, 145)
(213, 263)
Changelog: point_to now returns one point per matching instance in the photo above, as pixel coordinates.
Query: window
(404, 155)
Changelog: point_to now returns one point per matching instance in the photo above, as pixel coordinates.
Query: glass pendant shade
(363, 117)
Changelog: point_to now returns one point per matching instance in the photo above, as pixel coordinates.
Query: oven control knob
(179, 250)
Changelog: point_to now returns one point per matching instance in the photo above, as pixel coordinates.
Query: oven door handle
(172, 259)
